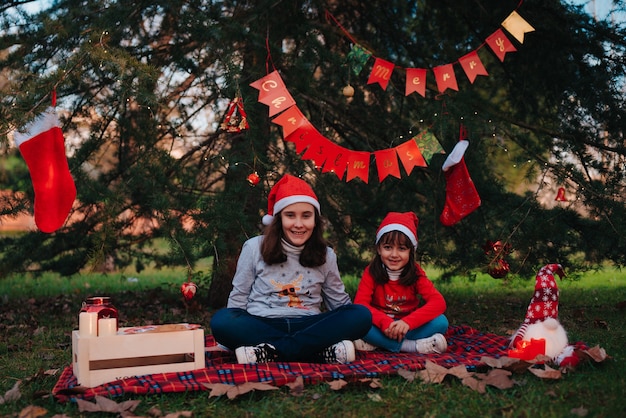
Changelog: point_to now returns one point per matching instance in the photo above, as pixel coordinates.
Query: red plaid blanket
(466, 346)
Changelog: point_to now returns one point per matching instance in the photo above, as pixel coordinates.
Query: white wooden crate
(98, 360)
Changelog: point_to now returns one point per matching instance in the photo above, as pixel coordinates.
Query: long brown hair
(313, 254)
(377, 268)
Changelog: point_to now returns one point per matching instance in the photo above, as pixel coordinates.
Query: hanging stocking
(461, 195)
(42, 145)
(235, 119)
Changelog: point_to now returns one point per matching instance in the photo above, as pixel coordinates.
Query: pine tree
(145, 84)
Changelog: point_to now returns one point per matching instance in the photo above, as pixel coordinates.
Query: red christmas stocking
(43, 148)
(461, 195)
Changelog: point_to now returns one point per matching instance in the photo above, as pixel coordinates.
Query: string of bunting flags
(417, 151)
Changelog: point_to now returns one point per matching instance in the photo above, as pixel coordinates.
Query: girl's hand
(397, 330)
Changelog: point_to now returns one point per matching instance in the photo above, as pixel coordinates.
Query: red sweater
(416, 304)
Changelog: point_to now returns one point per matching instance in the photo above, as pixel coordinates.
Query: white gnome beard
(550, 330)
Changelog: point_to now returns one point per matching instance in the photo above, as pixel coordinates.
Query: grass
(37, 315)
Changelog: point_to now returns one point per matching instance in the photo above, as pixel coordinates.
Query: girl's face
(394, 255)
(298, 221)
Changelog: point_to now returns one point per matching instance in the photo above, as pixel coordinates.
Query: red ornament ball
(253, 178)
(499, 269)
(188, 289)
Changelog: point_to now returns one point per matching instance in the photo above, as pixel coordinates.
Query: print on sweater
(289, 290)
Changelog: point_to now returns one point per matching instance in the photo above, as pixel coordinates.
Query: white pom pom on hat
(405, 222)
(287, 191)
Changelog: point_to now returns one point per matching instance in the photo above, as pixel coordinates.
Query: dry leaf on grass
(32, 411)
(337, 384)
(103, 404)
(597, 353)
(296, 388)
(179, 414)
(232, 391)
(500, 363)
(546, 373)
(407, 374)
(432, 373)
(580, 411)
(373, 383)
(498, 378)
(12, 394)
(374, 397)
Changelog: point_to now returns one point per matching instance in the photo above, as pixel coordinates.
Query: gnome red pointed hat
(545, 301)
(287, 191)
(405, 222)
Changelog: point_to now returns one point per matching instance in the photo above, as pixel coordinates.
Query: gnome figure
(541, 322)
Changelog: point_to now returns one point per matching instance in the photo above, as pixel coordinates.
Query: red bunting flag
(387, 163)
(500, 44)
(273, 93)
(317, 150)
(410, 155)
(358, 165)
(473, 66)
(302, 137)
(336, 160)
(444, 75)
(381, 72)
(415, 81)
(291, 119)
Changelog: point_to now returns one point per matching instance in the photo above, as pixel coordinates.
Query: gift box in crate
(137, 351)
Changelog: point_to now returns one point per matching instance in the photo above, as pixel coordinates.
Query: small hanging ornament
(253, 178)
(188, 289)
(348, 91)
(560, 195)
(497, 267)
(236, 119)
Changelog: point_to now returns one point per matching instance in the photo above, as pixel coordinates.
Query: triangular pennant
(444, 75)
(236, 119)
(473, 66)
(517, 26)
(410, 155)
(500, 44)
(273, 93)
(317, 150)
(358, 165)
(336, 160)
(415, 81)
(357, 58)
(381, 72)
(428, 145)
(302, 137)
(291, 119)
(387, 163)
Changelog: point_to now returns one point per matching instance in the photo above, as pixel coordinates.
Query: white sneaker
(362, 345)
(262, 353)
(435, 344)
(342, 352)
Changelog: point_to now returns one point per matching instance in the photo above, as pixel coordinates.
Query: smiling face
(394, 250)
(298, 222)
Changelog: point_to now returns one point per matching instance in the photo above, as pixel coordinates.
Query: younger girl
(407, 310)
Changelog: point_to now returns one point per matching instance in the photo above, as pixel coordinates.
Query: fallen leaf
(433, 373)
(499, 363)
(296, 388)
(155, 412)
(459, 371)
(337, 384)
(103, 404)
(499, 378)
(232, 391)
(374, 397)
(546, 373)
(179, 414)
(597, 353)
(12, 394)
(407, 374)
(580, 411)
(32, 411)
(474, 384)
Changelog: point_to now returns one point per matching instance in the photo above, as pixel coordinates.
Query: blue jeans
(376, 337)
(295, 339)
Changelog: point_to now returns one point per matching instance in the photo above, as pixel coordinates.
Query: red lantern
(253, 178)
(188, 289)
(560, 195)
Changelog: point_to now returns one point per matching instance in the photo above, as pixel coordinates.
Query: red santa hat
(287, 191)
(405, 222)
(545, 301)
